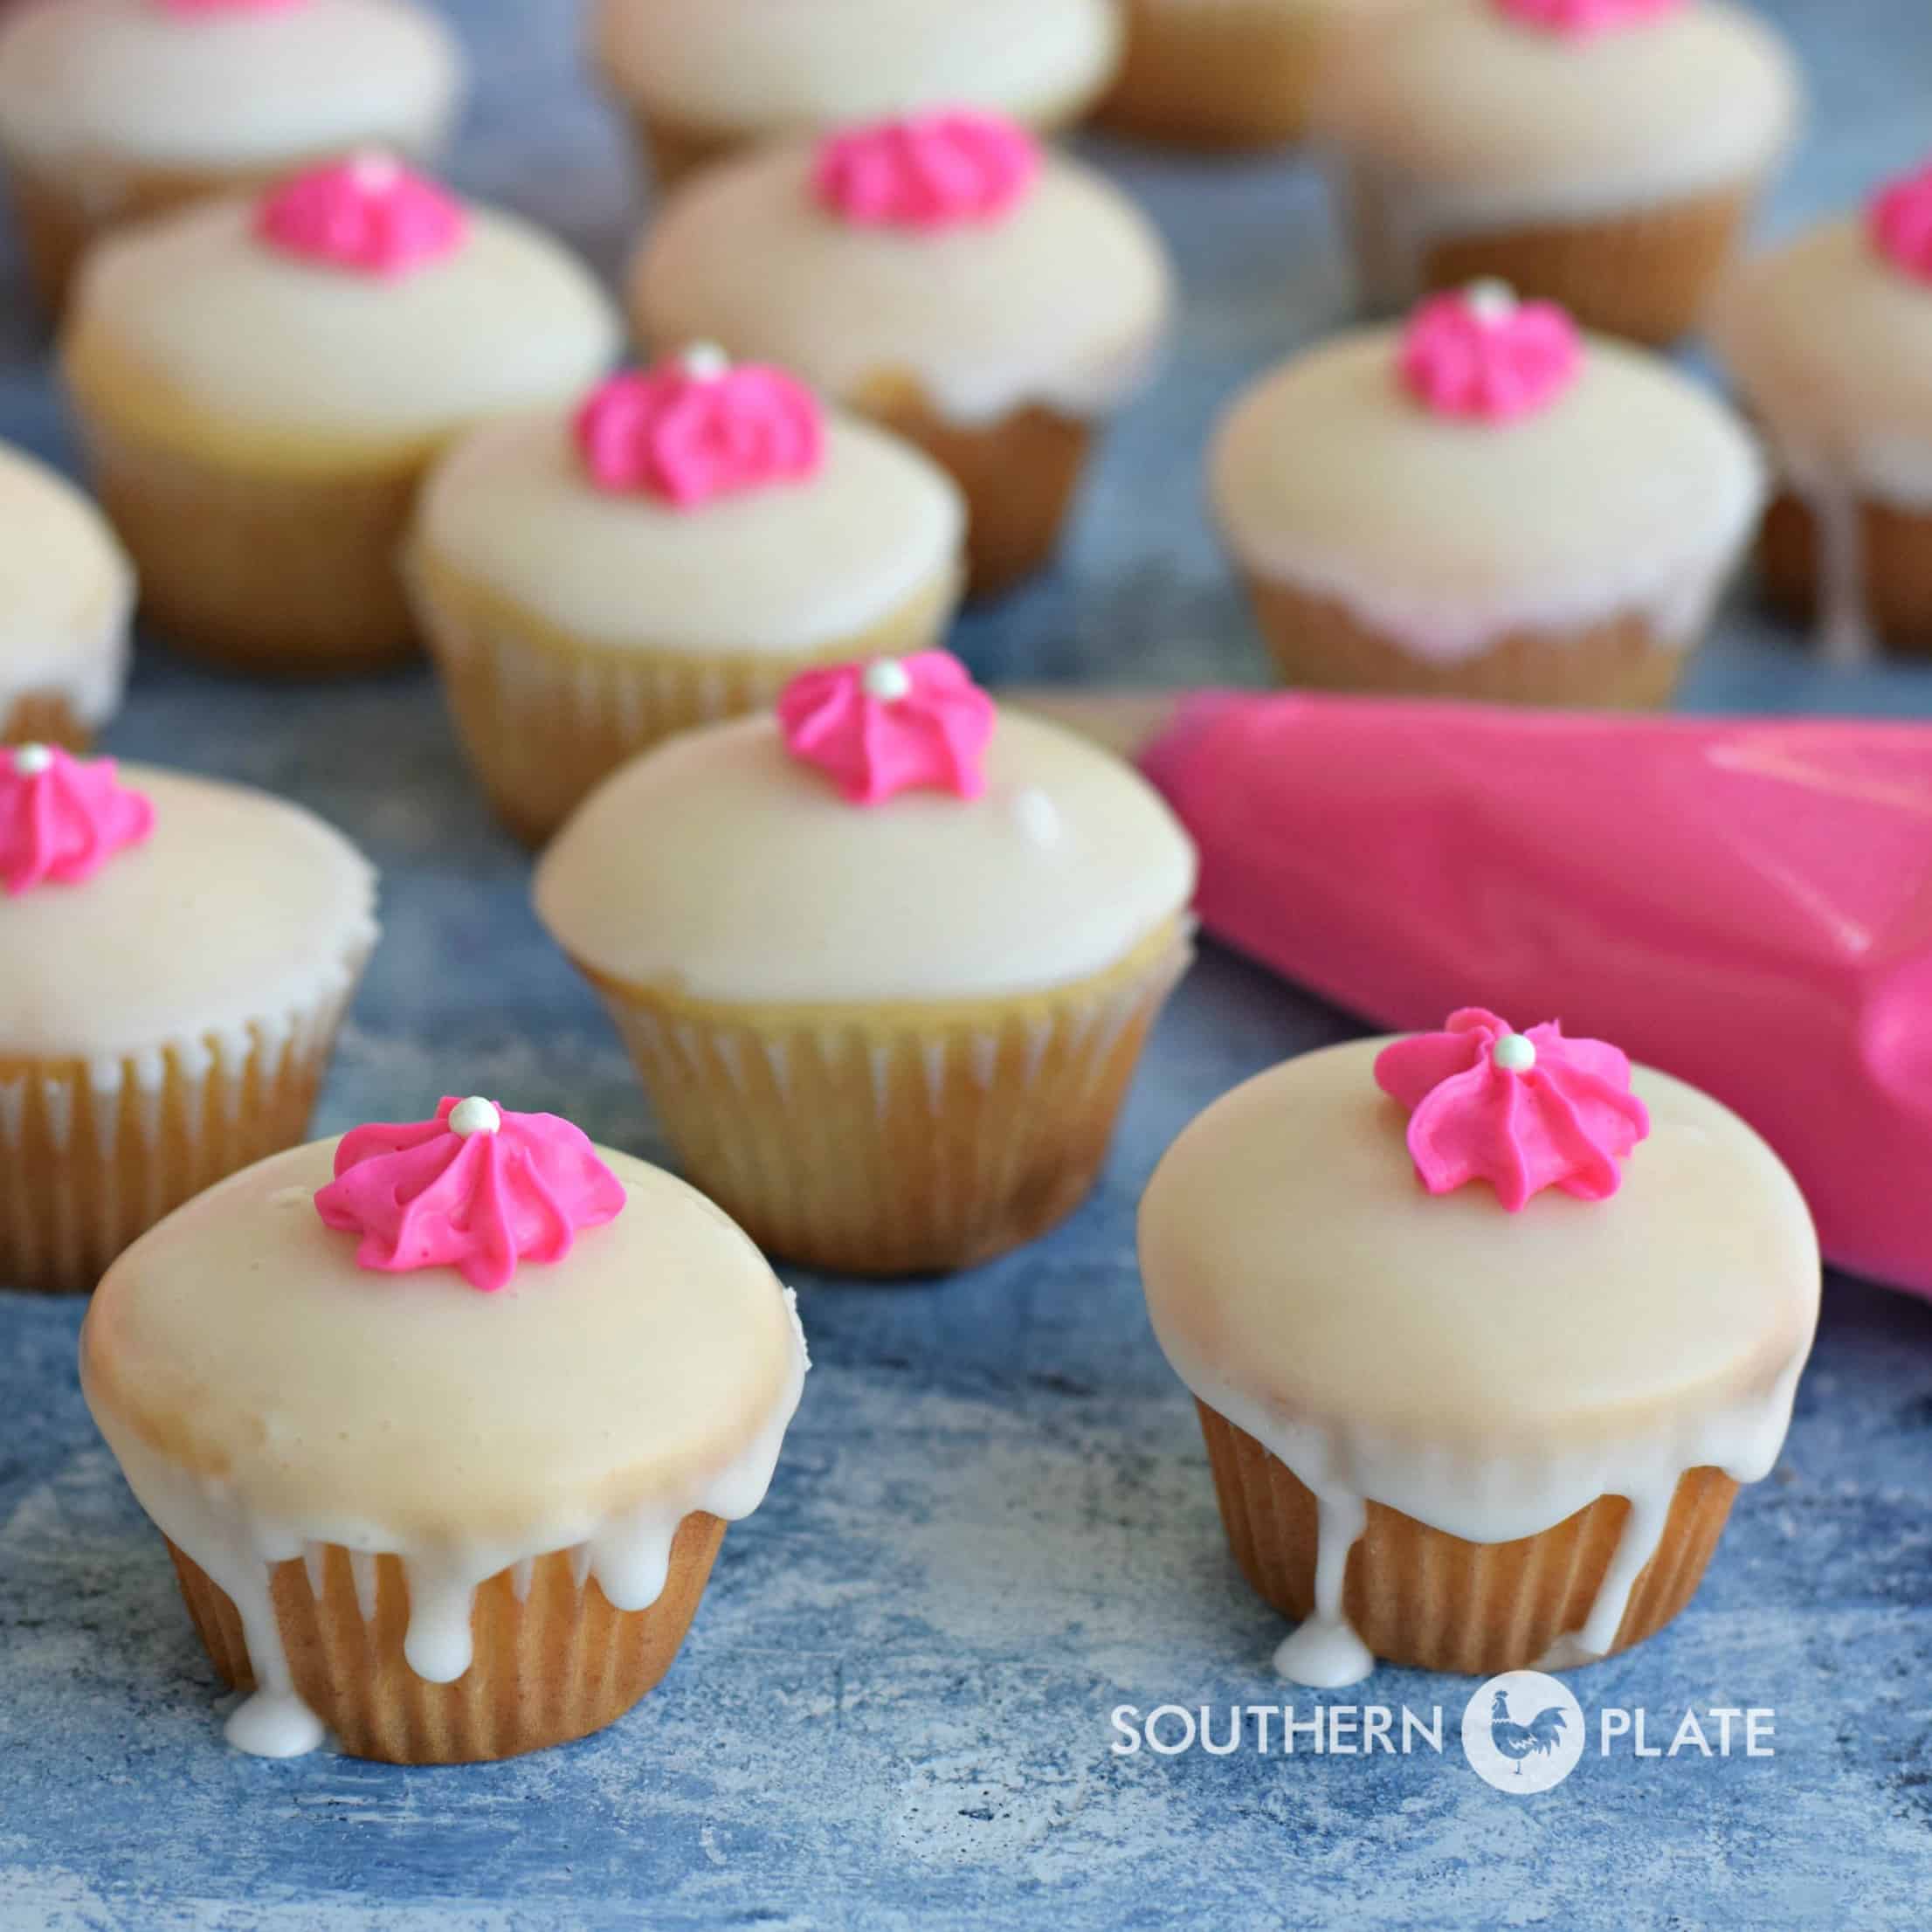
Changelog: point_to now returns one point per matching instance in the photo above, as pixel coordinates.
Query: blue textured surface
(993, 1521)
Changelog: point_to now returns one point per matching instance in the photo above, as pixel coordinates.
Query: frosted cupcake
(443, 1423)
(702, 77)
(262, 382)
(1486, 1329)
(1603, 153)
(671, 553)
(1830, 340)
(178, 953)
(66, 598)
(886, 959)
(1484, 503)
(991, 301)
(111, 109)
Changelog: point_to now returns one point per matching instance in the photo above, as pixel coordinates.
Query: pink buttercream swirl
(190, 8)
(1581, 19)
(476, 1189)
(368, 213)
(1522, 1111)
(1479, 353)
(692, 429)
(927, 171)
(890, 726)
(1900, 222)
(62, 819)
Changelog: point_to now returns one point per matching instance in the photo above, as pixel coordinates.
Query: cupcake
(111, 109)
(702, 77)
(66, 598)
(1485, 1328)
(261, 384)
(1604, 154)
(1830, 340)
(671, 553)
(178, 953)
(886, 959)
(1484, 503)
(990, 300)
(443, 1423)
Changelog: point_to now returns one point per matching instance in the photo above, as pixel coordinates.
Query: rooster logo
(1521, 1758)
(1542, 1733)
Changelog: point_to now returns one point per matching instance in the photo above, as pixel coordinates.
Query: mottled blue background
(993, 1521)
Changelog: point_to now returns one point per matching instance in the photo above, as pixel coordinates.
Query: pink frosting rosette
(368, 213)
(1900, 222)
(62, 819)
(1480, 353)
(1580, 19)
(190, 9)
(1522, 1111)
(892, 724)
(476, 1189)
(929, 171)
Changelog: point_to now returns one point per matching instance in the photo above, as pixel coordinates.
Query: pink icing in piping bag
(368, 213)
(1522, 1111)
(928, 171)
(476, 1189)
(1480, 353)
(1744, 903)
(63, 819)
(890, 726)
(1900, 221)
(696, 428)
(1579, 19)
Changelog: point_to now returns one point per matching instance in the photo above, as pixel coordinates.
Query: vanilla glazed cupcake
(1484, 503)
(179, 953)
(1602, 154)
(670, 553)
(1829, 339)
(992, 301)
(261, 384)
(700, 78)
(112, 109)
(66, 602)
(1485, 1329)
(443, 1423)
(886, 959)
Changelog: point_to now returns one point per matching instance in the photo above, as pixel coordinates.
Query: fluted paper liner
(905, 1139)
(1417, 1595)
(545, 716)
(1895, 560)
(552, 1661)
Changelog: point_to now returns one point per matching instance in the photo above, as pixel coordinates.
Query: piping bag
(1746, 903)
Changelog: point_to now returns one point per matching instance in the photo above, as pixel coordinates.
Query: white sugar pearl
(1514, 1053)
(30, 760)
(375, 172)
(705, 362)
(474, 1115)
(1491, 301)
(886, 679)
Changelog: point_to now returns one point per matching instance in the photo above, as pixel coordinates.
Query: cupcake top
(1485, 1277)
(698, 507)
(1483, 468)
(1503, 109)
(1831, 338)
(358, 309)
(946, 250)
(222, 84)
(888, 836)
(467, 1342)
(143, 910)
(741, 68)
(66, 593)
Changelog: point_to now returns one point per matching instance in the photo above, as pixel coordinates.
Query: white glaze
(587, 1409)
(719, 865)
(66, 594)
(784, 569)
(109, 84)
(1636, 491)
(1487, 1374)
(747, 67)
(190, 330)
(1064, 301)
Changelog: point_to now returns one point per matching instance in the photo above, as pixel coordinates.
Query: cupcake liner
(552, 1660)
(93, 1153)
(544, 716)
(45, 718)
(1421, 1598)
(1894, 560)
(899, 1141)
(1617, 664)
